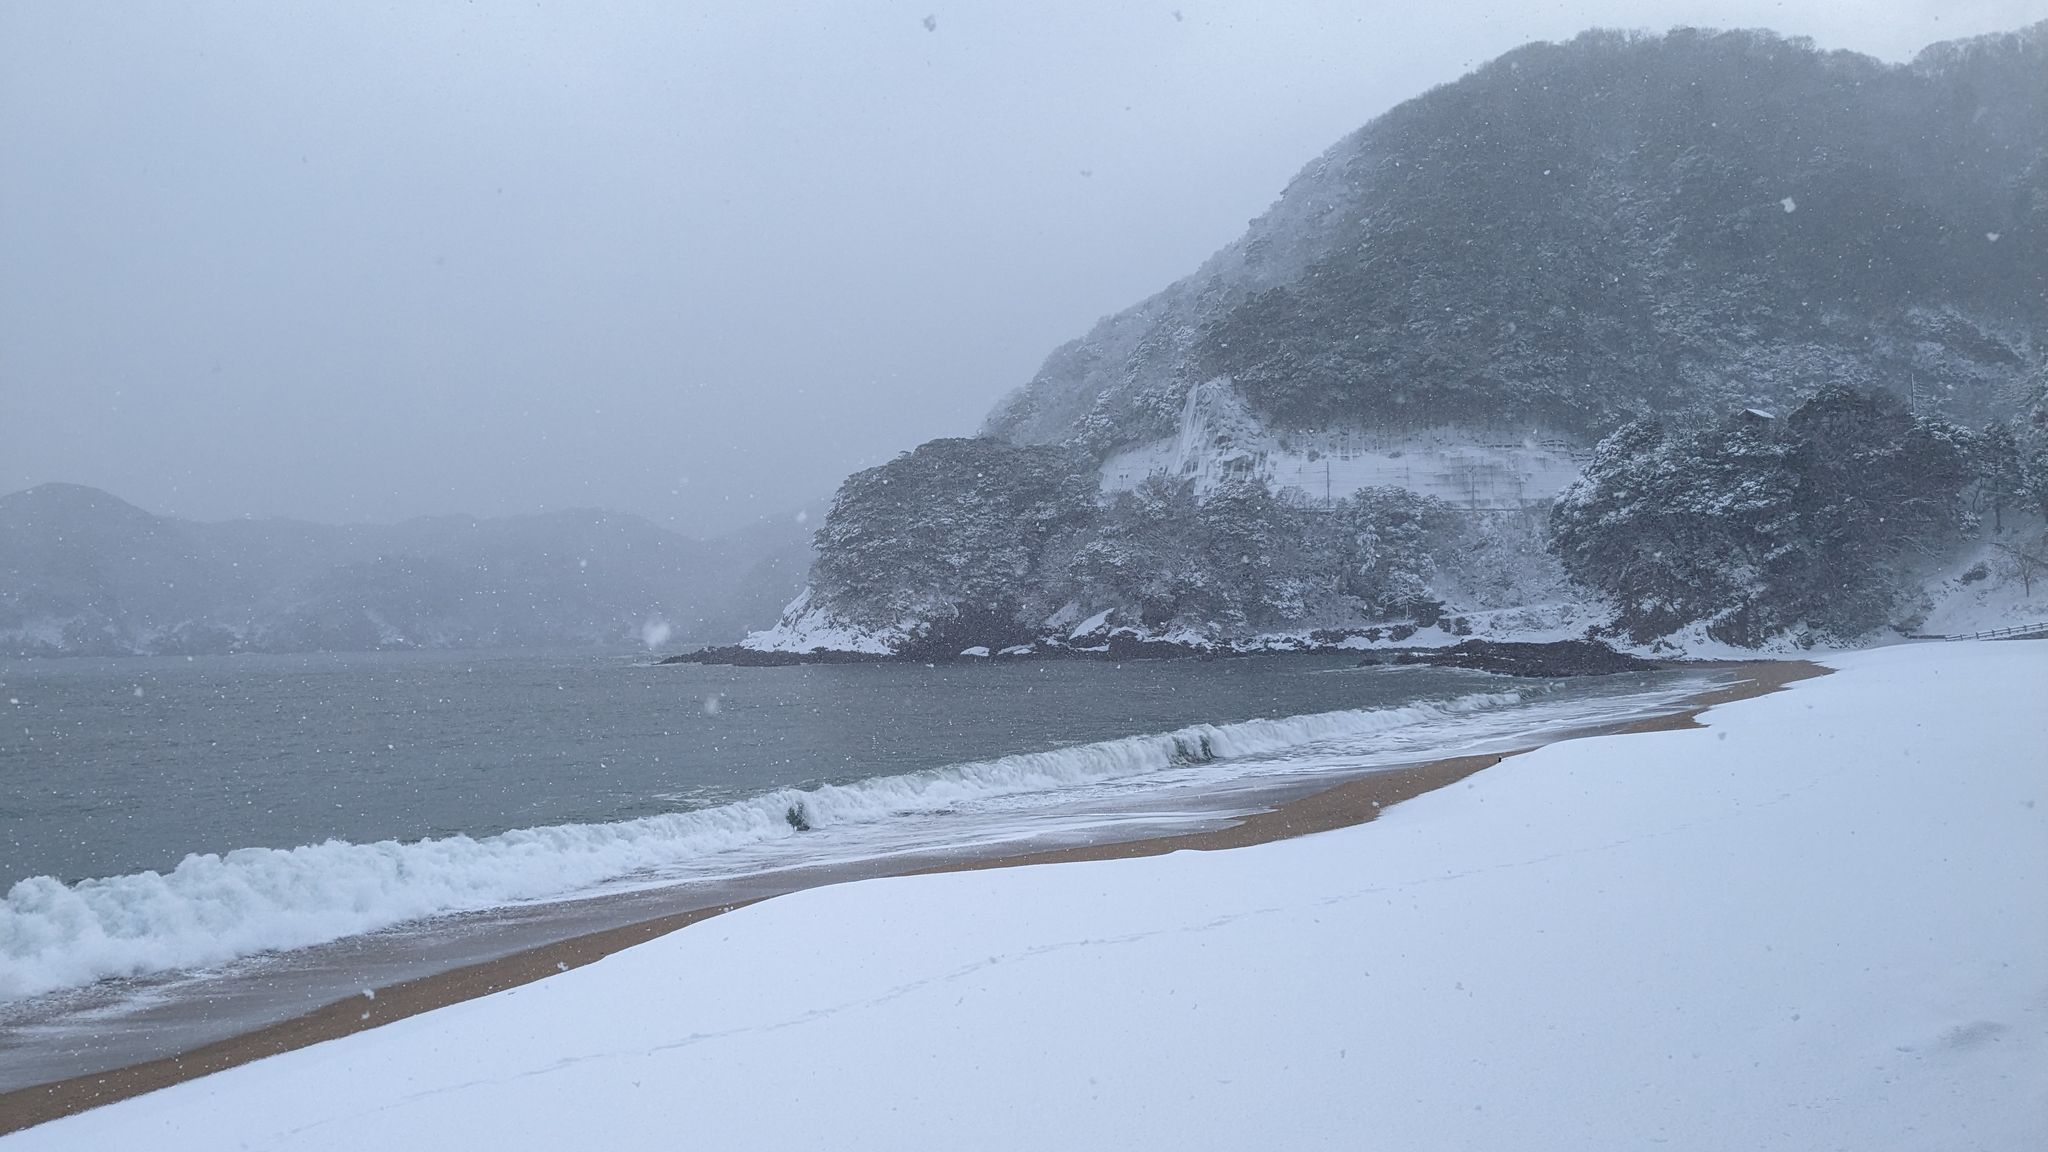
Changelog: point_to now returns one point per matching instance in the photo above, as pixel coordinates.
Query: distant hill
(83, 572)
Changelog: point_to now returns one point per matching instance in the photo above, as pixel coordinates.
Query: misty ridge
(85, 573)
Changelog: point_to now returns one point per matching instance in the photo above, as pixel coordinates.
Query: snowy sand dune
(1814, 923)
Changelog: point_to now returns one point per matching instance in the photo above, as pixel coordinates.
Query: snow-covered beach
(1814, 922)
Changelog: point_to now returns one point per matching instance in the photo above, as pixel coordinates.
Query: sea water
(165, 819)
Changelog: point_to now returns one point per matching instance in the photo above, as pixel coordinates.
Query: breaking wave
(212, 909)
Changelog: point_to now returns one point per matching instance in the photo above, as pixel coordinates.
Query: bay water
(170, 825)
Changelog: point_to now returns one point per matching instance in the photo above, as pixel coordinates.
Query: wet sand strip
(1352, 802)
(1362, 798)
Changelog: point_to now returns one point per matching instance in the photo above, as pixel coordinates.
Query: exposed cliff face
(983, 545)
(1579, 234)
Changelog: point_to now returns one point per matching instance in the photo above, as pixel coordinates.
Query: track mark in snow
(1976, 1034)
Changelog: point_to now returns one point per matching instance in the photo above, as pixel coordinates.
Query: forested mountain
(1623, 225)
(1363, 409)
(83, 572)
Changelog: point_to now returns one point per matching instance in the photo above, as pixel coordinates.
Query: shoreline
(1382, 644)
(1346, 803)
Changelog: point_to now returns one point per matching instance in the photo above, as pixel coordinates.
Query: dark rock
(740, 657)
(1123, 646)
(1560, 658)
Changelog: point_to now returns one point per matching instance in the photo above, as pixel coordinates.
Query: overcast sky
(695, 261)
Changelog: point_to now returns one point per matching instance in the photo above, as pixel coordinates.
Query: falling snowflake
(1789, 204)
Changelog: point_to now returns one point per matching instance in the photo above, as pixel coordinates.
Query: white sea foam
(211, 909)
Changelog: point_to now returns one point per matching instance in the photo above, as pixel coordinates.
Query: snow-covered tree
(1758, 528)
(951, 535)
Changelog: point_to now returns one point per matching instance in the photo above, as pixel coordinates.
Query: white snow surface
(1091, 625)
(1982, 590)
(1815, 923)
(806, 627)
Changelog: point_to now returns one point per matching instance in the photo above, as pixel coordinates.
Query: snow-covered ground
(806, 627)
(1815, 923)
(1985, 588)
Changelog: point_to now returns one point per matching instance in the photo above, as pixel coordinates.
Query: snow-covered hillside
(806, 627)
(1577, 234)
(2001, 583)
(1362, 411)
(1813, 923)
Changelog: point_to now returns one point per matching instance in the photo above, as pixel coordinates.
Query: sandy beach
(1348, 803)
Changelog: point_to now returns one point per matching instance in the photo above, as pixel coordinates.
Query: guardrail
(2016, 632)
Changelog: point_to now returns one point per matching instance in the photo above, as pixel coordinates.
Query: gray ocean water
(190, 848)
(116, 766)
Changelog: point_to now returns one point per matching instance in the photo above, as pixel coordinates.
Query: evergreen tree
(1757, 529)
(1677, 529)
(2004, 479)
(1388, 544)
(953, 534)
(1145, 556)
(1878, 489)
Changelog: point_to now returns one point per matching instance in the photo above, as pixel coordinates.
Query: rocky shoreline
(1557, 658)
